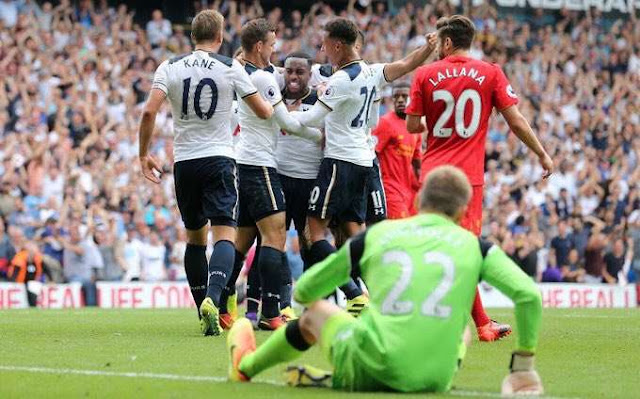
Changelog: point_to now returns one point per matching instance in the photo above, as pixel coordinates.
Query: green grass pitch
(159, 353)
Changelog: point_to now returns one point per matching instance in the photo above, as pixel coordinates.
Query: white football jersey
(278, 73)
(200, 87)
(320, 73)
(258, 137)
(350, 94)
(298, 157)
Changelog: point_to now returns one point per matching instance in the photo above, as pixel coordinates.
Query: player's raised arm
(521, 128)
(323, 278)
(398, 69)
(415, 110)
(501, 272)
(147, 125)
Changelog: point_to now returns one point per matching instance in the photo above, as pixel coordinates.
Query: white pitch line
(199, 378)
(175, 377)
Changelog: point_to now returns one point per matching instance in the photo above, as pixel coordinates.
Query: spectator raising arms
(75, 76)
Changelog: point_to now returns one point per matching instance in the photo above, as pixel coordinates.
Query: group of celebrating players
(304, 154)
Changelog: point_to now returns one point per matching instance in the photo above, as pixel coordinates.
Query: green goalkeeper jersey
(422, 274)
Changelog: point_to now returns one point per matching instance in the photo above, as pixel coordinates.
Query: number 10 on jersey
(196, 99)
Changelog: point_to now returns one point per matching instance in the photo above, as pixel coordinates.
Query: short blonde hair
(207, 26)
(446, 190)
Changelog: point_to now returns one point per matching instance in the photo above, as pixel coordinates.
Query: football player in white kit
(346, 106)
(262, 203)
(298, 160)
(376, 198)
(200, 87)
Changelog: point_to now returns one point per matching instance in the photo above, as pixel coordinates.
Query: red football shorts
(397, 208)
(472, 219)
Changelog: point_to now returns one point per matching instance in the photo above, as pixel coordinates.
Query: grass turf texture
(582, 353)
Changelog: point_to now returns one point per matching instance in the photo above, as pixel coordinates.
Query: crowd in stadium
(74, 203)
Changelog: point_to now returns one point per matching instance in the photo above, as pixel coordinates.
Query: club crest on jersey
(271, 92)
(329, 92)
(511, 93)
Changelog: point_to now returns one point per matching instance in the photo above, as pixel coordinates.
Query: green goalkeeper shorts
(339, 342)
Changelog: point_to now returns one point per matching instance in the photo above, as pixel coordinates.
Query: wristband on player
(521, 362)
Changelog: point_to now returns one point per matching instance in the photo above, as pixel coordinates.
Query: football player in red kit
(457, 95)
(399, 154)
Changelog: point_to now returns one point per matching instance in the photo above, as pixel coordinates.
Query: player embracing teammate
(457, 95)
(200, 87)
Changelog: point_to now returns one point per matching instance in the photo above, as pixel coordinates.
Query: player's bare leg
(284, 345)
(270, 262)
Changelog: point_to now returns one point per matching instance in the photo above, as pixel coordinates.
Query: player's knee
(275, 239)
(197, 237)
(244, 240)
(305, 322)
(311, 320)
(316, 229)
(226, 233)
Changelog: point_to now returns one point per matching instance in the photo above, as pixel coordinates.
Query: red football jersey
(396, 149)
(457, 95)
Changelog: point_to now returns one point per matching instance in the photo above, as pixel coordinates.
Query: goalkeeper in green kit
(422, 274)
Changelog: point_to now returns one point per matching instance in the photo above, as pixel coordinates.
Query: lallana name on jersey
(458, 73)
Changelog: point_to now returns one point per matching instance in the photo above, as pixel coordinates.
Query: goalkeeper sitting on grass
(422, 274)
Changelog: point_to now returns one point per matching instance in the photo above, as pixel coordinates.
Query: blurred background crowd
(74, 206)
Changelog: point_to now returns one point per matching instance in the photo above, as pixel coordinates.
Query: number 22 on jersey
(431, 306)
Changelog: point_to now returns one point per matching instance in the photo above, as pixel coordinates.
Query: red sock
(480, 317)
(638, 292)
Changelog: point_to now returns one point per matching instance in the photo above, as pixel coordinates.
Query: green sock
(277, 349)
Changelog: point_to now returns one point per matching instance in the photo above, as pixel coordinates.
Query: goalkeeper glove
(523, 379)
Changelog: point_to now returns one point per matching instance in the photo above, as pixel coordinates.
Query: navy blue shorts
(207, 190)
(261, 194)
(296, 193)
(376, 199)
(339, 191)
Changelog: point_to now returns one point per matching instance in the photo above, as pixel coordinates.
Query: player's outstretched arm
(145, 133)
(323, 278)
(398, 69)
(521, 128)
(313, 117)
(501, 272)
(293, 126)
(259, 106)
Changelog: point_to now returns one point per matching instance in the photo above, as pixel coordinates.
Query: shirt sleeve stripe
(250, 94)
(384, 74)
(160, 86)
(323, 103)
